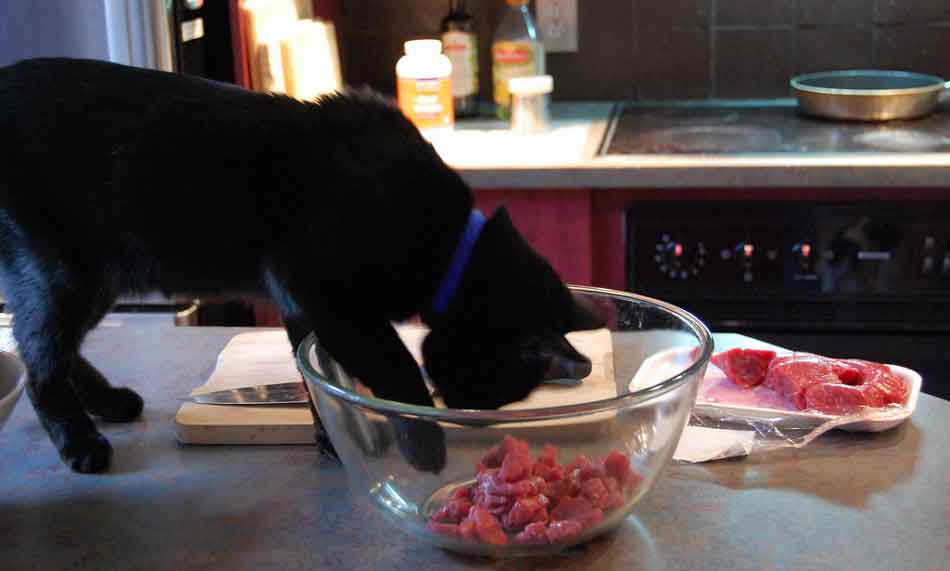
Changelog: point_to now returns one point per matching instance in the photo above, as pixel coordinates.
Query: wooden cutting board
(264, 357)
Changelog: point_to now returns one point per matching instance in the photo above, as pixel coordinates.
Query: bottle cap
(531, 85)
(423, 47)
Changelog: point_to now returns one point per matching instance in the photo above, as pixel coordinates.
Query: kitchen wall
(31, 28)
(652, 49)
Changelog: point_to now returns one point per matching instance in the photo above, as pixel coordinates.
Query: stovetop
(765, 127)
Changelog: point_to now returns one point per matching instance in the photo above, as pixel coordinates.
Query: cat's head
(502, 334)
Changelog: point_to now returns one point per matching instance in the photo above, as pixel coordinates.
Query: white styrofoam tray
(665, 364)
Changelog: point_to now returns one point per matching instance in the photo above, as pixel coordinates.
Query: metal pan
(868, 95)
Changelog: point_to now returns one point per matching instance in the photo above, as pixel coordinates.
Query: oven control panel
(780, 251)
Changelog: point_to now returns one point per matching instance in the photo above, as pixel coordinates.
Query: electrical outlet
(557, 24)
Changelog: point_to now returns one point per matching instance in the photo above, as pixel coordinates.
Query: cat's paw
(325, 446)
(116, 405)
(422, 443)
(88, 453)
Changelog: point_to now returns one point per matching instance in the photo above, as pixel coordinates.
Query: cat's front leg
(373, 352)
(297, 328)
(368, 348)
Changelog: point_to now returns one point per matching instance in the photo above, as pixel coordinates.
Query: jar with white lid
(530, 97)
(424, 85)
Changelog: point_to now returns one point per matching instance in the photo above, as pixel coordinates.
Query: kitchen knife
(287, 393)
(293, 392)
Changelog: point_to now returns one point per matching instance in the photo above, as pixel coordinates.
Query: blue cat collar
(453, 274)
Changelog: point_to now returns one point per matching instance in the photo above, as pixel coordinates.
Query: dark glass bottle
(460, 45)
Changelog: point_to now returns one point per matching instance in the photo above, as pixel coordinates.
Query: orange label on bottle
(513, 59)
(426, 102)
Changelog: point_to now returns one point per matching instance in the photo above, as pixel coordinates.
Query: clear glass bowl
(12, 382)
(642, 420)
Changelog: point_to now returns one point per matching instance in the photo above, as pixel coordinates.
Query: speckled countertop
(488, 156)
(847, 501)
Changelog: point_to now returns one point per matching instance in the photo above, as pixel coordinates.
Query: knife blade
(293, 392)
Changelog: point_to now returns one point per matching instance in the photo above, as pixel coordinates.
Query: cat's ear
(501, 217)
(584, 316)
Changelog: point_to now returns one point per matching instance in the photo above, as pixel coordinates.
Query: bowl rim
(474, 416)
(20, 384)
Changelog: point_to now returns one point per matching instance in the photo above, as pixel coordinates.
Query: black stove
(772, 127)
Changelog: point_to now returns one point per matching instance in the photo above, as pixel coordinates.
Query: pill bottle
(530, 103)
(424, 85)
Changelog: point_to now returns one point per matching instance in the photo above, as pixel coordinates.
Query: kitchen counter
(848, 501)
(488, 156)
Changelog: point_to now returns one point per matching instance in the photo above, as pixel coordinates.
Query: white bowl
(12, 383)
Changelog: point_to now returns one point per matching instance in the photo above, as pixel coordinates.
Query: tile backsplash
(659, 49)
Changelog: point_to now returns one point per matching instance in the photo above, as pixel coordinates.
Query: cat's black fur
(116, 180)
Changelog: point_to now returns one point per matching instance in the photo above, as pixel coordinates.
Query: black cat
(116, 179)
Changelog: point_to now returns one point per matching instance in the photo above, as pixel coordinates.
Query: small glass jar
(530, 103)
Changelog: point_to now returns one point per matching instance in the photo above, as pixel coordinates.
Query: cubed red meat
(546, 501)
(745, 367)
(534, 533)
(525, 511)
(564, 531)
(514, 467)
(453, 511)
(467, 530)
(595, 491)
(548, 473)
(617, 465)
(578, 509)
(496, 454)
(613, 501)
(487, 526)
(449, 529)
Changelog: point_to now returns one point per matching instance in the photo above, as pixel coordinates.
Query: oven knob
(745, 250)
(747, 277)
(945, 265)
(676, 261)
(928, 266)
(804, 254)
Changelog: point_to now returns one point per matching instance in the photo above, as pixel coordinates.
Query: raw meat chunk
(887, 389)
(449, 529)
(595, 491)
(487, 527)
(577, 509)
(534, 533)
(538, 500)
(832, 386)
(496, 454)
(453, 511)
(527, 510)
(835, 398)
(617, 465)
(791, 376)
(564, 531)
(745, 367)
